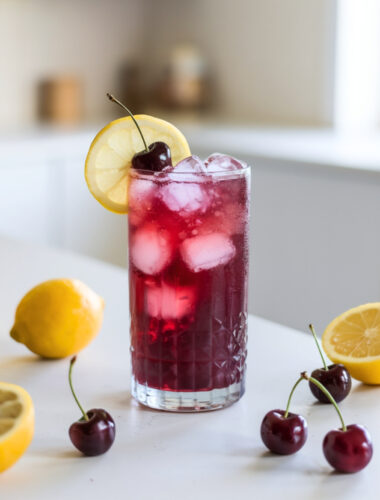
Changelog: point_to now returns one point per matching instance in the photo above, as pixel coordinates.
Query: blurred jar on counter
(185, 82)
(60, 100)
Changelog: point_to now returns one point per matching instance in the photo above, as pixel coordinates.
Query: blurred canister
(186, 76)
(60, 100)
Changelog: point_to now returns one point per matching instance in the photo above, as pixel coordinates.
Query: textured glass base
(187, 401)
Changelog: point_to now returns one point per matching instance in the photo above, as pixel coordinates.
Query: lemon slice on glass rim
(16, 423)
(353, 339)
(110, 156)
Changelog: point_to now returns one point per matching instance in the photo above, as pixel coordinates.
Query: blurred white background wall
(43, 38)
(273, 59)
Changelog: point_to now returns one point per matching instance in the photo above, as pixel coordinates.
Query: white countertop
(159, 455)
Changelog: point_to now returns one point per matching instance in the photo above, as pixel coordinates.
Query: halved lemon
(353, 338)
(110, 155)
(16, 423)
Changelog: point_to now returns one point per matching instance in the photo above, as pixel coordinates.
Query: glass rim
(191, 176)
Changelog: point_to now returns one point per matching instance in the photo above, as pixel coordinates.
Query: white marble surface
(158, 455)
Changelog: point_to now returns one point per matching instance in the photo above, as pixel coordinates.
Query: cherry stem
(319, 347)
(113, 99)
(85, 416)
(327, 394)
(291, 395)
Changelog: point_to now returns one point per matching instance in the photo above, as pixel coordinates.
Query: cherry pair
(348, 449)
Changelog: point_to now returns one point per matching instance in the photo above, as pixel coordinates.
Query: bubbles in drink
(151, 249)
(207, 251)
(168, 302)
(228, 218)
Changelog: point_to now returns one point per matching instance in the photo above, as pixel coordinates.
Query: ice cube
(192, 166)
(169, 302)
(207, 251)
(151, 249)
(184, 191)
(218, 162)
(186, 197)
(141, 191)
(141, 194)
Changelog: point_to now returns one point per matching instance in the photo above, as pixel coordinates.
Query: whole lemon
(58, 318)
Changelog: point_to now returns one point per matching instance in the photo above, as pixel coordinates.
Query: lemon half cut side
(353, 339)
(16, 423)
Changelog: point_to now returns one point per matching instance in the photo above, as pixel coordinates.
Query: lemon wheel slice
(353, 338)
(16, 423)
(110, 155)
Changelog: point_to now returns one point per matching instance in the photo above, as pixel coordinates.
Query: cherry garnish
(283, 435)
(335, 378)
(349, 450)
(283, 432)
(155, 159)
(119, 103)
(94, 433)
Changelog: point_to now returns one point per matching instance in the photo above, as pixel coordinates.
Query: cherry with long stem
(94, 433)
(348, 449)
(335, 378)
(72, 362)
(318, 346)
(113, 99)
(327, 394)
(153, 158)
(291, 395)
(284, 432)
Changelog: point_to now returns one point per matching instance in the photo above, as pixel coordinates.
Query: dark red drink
(188, 271)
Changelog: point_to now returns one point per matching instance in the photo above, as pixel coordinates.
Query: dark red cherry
(95, 435)
(95, 432)
(350, 450)
(155, 159)
(281, 435)
(337, 381)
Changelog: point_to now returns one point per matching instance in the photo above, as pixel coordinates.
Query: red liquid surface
(188, 265)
